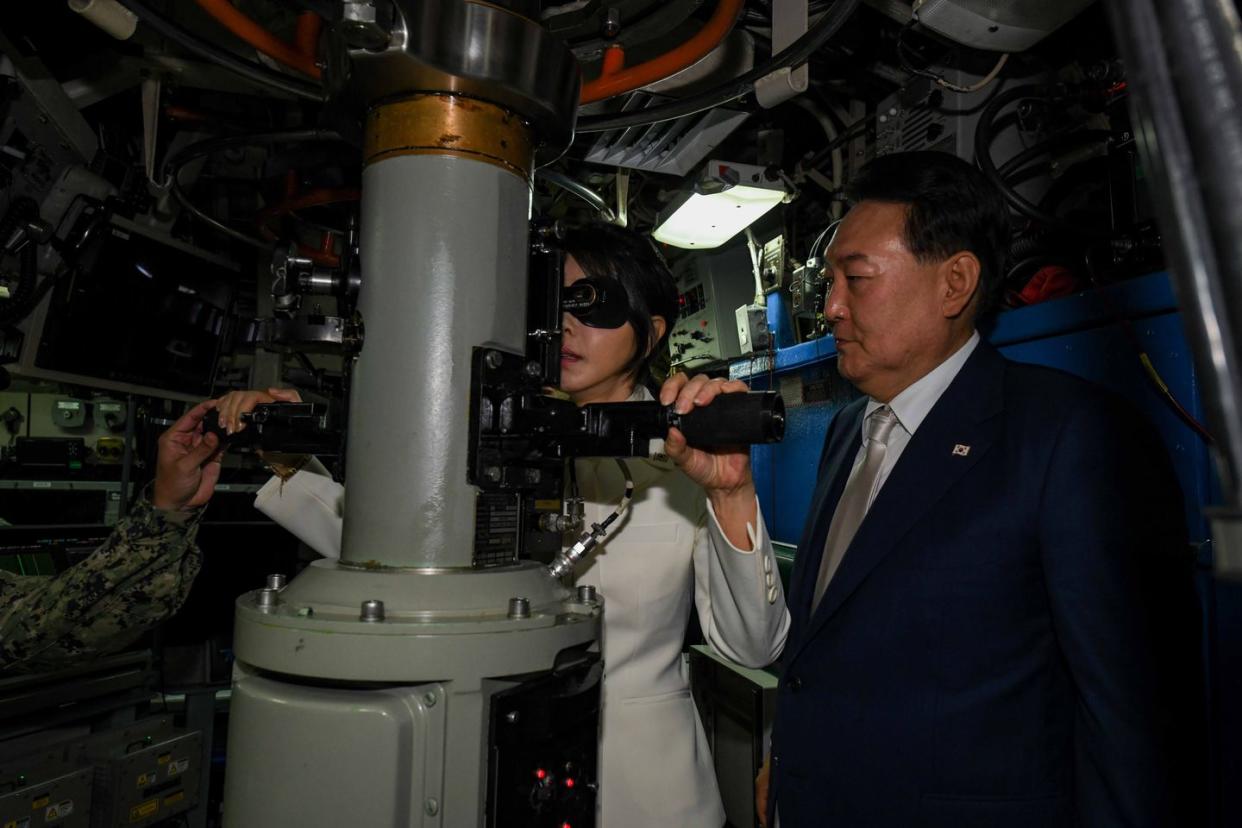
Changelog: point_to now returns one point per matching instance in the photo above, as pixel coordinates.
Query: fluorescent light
(720, 207)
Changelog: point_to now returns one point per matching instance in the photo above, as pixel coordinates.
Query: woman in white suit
(687, 542)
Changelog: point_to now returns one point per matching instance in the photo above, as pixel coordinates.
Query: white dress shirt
(911, 407)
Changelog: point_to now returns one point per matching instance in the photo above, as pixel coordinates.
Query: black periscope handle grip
(211, 425)
(738, 419)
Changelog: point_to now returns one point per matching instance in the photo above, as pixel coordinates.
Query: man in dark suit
(993, 617)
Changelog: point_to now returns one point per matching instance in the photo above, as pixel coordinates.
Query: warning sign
(144, 810)
(178, 766)
(59, 811)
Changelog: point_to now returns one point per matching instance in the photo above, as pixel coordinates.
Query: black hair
(603, 249)
(951, 207)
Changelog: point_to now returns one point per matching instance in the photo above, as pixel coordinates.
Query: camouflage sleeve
(140, 575)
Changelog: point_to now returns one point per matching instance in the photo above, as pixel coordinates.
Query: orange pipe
(614, 60)
(259, 37)
(270, 216)
(184, 113)
(306, 35)
(671, 62)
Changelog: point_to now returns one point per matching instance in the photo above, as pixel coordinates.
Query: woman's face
(593, 360)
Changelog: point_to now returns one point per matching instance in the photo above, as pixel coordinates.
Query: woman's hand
(724, 473)
(720, 470)
(236, 403)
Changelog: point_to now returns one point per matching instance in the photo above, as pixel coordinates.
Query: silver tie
(852, 507)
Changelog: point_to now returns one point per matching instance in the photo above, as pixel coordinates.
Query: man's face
(885, 308)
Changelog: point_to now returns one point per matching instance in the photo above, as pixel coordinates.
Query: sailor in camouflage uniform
(139, 576)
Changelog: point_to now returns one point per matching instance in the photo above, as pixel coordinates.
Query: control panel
(711, 286)
(542, 748)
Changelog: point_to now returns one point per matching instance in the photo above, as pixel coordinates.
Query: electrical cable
(215, 224)
(1149, 369)
(179, 159)
(818, 239)
(795, 54)
(851, 132)
(565, 561)
(251, 71)
(941, 80)
(1152, 374)
(985, 134)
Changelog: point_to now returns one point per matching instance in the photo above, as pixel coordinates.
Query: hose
(228, 16)
(251, 71)
(697, 47)
(985, 134)
(795, 54)
(831, 134)
(1073, 139)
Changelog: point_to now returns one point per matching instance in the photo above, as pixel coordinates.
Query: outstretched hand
(188, 465)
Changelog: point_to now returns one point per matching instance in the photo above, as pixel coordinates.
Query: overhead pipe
(582, 191)
(108, 15)
(253, 72)
(615, 80)
(1185, 73)
(228, 16)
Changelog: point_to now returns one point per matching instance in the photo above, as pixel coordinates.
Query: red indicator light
(569, 781)
(541, 774)
(566, 825)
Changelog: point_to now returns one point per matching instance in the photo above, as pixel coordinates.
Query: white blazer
(663, 557)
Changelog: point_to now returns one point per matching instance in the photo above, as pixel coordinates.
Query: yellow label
(547, 505)
(145, 779)
(146, 809)
(40, 803)
(173, 799)
(164, 759)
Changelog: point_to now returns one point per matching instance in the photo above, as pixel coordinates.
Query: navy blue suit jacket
(1011, 638)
